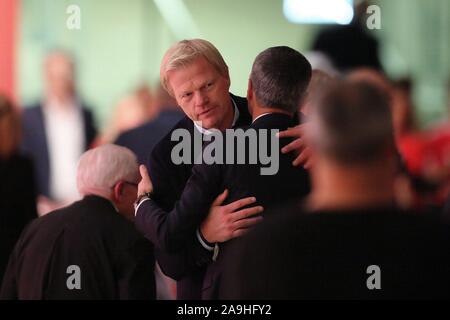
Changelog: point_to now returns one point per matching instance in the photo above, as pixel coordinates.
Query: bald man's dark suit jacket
(114, 260)
(171, 231)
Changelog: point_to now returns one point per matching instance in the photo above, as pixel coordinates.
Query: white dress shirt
(66, 142)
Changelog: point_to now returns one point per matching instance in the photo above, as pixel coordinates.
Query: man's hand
(303, 152)
(225, 222)
(145, 185)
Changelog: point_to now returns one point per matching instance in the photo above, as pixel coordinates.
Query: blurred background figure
(56, 131)
(320, 61)
(319, 81)
(131, 111)
(349, 46)
(164, 115)
(424, 155)
(403, 116)
(17, 188)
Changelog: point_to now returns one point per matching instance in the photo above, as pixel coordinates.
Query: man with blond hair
(278, 81)
(196, 75)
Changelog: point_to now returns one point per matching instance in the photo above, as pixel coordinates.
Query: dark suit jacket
(173, 230)
(143, 139)
(17, 203)
(34, 143)
(115, 261)
(446, 210)
(326, 255)
(169, 181)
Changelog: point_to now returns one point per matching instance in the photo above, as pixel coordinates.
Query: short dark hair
(280, 76)
(352, 123)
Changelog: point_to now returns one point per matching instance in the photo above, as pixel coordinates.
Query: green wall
(121, 42)
(416, 41)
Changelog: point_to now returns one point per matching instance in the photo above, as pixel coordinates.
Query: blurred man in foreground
(350, 240)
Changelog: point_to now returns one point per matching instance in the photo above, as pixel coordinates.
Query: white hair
(99, 169)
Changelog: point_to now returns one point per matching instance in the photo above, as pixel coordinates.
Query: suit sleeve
(154, 226)
(170, 231)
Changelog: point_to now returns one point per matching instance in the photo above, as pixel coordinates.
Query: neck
(59, 101)
(97, 192)
(258, 110)
(228, 118)
(341, 187)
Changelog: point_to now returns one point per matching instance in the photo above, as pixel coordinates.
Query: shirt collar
(52, 105)
(261, 115)
(210, 131)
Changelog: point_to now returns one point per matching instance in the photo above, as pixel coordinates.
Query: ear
(118, 191)
(249, 90)
(227, 78)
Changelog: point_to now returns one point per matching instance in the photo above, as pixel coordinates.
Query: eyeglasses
(131, 183)
(126, 182)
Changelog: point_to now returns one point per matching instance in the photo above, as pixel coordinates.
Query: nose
(201, 99)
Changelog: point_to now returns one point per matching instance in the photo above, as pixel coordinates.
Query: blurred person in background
(95, 236)
(163, 115)
(426, 153)
(404, 184)
(319, 81)
(423, 180)
(403, 108)
(17, 187)
(130, 112)
(56, 131)
(350, 46)
(142, 140)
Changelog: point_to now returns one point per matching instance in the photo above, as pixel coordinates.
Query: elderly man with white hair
(90, 249)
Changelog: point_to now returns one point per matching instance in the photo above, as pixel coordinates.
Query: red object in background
(412, 148)
(426, 148)
(427, 155)
(8, 16)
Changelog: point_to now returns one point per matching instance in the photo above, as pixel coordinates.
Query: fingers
(238, 233)
(220, 198)
(309, 163)
(303, 157)
(297, 144)
(144, 173)
(243, 226)
(246, 223)
(145, 185)
(245, 213)
(240, 203)
(290, 132)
